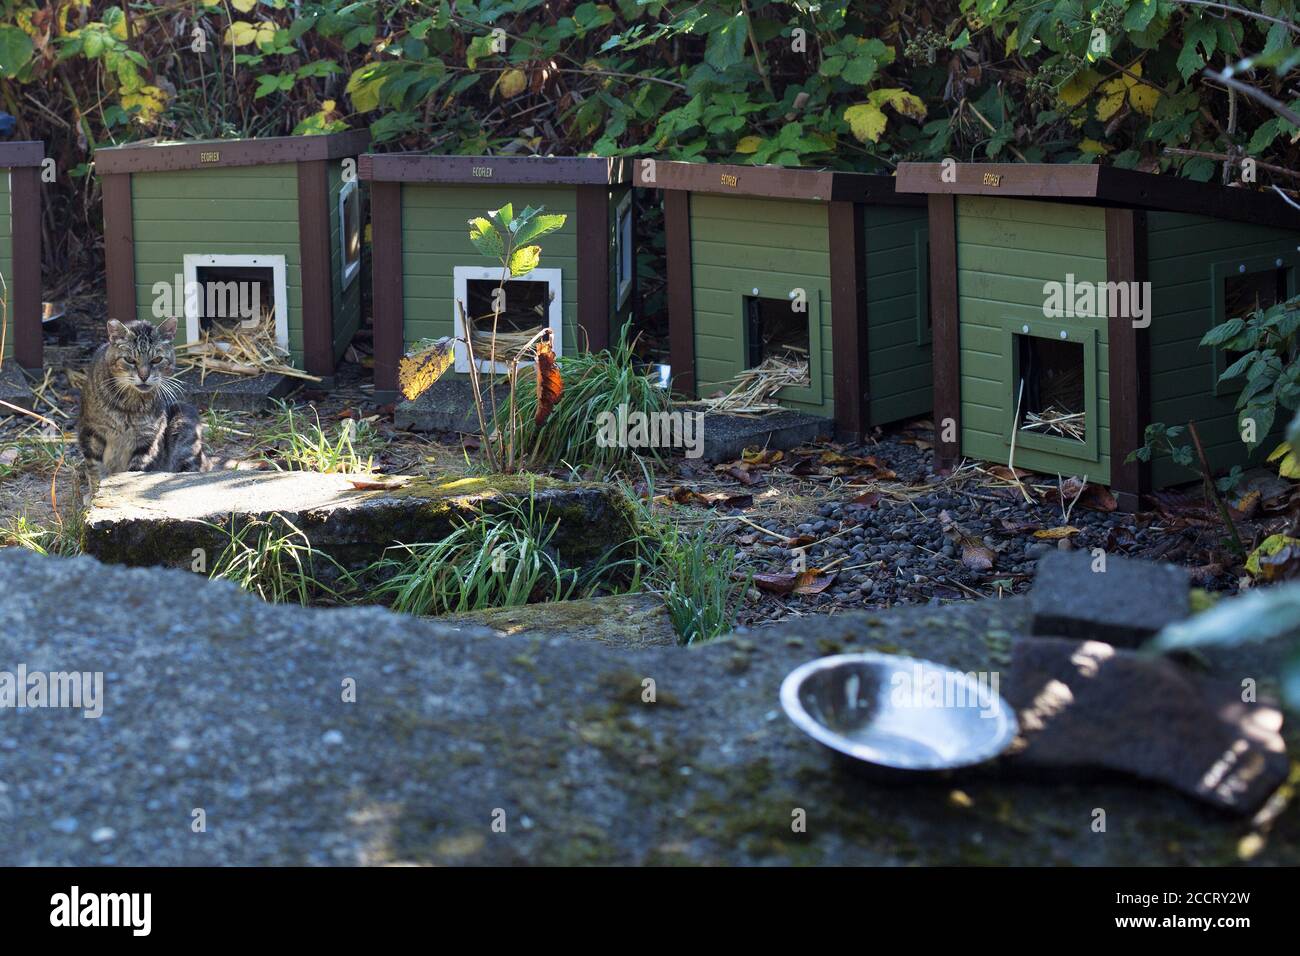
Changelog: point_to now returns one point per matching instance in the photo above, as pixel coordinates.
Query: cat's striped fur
(133, 417)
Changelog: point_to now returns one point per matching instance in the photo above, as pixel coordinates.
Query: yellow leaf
(749, 144)
(1077, 89)
(524, 260)
(418, 371)
(1143, 99)
(512, 83)
(1112, 98)
(240, 33)
(866, 120)
(903, 102)
(1267, 548)
(119, 29)
(265, 34)
(1109, 105)
(150, 101)
(363, 88)
(1279, 451)
(243, 6)
(1290, 467)
(1093, 147)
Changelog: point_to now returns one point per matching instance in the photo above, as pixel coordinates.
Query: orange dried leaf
(550, 385)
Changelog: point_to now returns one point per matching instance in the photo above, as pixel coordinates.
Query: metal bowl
(900, 713)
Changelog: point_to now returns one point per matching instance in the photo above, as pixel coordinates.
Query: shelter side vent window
(1050, 387)
(350, 230)
(624, 252)
(1242, 293)
(924, 320)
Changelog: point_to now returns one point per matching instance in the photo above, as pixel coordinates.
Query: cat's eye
(156, 360)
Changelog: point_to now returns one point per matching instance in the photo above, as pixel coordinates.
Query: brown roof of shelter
(511, 170)
(151, 157)
(770, 182)
(25, 153)
(1100, 185)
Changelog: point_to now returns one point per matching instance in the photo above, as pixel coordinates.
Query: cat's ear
(168, 328)
(116, 331)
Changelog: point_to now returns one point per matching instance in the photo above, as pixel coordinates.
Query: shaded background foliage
(847, 83)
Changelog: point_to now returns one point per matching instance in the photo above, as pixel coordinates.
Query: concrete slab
(14, 388)
(619, 620)
(446, 406)
(140, 518)
(214, 698)
(237, 393)
(726, 436)
(1123, 605)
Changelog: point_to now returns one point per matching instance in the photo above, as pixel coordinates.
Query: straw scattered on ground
(237, 350)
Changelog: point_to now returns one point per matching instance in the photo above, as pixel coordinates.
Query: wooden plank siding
(435, 239)
(900, 369)
(6, 260)
(775, 246)
(1007, 249)
(347, 302)
(221, 211)
(1182, 250)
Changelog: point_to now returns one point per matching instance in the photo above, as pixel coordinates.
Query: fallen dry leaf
(813, 581)
(740, 471)
(781, 582)
(1016, 526)
(975, 554)
(1007, 474)
(377, 484)
(761, 458)
(684, 495)
(1055, 534)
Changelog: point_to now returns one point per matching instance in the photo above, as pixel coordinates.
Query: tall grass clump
(30, 455)
(502, 559)
(594, 384)
(275, 560)
(297, 444)
(698, 578)
(63, 540)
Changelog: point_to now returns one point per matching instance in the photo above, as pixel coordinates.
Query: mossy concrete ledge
(212, 698)
(160, 519)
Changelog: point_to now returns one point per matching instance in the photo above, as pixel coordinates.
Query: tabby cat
(133, 417)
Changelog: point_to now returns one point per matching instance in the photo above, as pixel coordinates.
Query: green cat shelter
(20, 258)
(282, 216)
(765, 262)
(423, 263)
(1068, 307)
